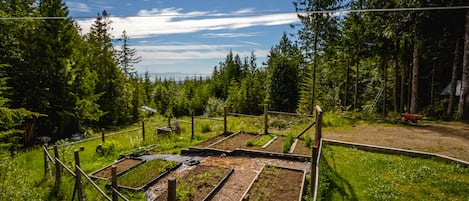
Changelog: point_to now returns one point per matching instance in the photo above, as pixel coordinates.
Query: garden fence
(77, 174)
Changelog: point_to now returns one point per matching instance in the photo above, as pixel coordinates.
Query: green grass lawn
(350, 174)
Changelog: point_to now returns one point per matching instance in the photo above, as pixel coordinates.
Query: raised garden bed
(199, 184)
(302, 149)
(122, 166)
(259, 142)
(212, 140)
(276, 183)
(236, 141)
(146, 174)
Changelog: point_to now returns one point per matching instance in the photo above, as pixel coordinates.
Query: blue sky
(191, 36)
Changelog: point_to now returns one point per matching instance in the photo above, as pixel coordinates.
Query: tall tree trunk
(404, 73)
(396, 77)
(463, 109)
(454, 78)
(315, 64)
(347, 75)
(415, 81)
(355, 100)
(385, 80)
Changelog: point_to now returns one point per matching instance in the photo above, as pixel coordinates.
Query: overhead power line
(248, 13)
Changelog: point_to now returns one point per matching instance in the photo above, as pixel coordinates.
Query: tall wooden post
(46, 161)
(114, 183)
(225, 113)
(78, 176)
(266, 119)
(57, 168)
(192, 126)
(102, 135)
(315, 152)
(171, 189)
(143, 130)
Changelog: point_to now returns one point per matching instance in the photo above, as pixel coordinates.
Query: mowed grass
(145, 173)
(350, 174)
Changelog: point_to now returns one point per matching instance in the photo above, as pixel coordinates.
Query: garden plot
(122, 166)
(212, 140)
(302, 149)
(276, 183)
(197, 183)
(236, 141)
(146, 174)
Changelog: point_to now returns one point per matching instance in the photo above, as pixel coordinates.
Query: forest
(57, 81)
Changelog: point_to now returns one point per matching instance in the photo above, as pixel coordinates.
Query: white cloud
(175, 21)
(78, 6)
(183, 53)
(231, 35)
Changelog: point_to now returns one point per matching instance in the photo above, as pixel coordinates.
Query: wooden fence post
(225, 113)
(266, 119)
(78, 176)
(102, 135)
(171, 188)
(57, 167)
(143, 130)
(192, 126)
(114, 183)
(315, 152)
(46, 161)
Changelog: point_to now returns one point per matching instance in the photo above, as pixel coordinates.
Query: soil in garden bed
(302, 149)
(276, 145)
(121, 166)
(275, 183)
(237, 141)
(212, 140)
(197, 183)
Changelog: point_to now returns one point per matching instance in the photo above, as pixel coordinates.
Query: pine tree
(126, 57)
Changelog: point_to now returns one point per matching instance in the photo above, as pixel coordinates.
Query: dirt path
(441, 138)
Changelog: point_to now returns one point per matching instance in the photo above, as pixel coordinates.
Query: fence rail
(77, 175)
(291, 114)
(94, 184)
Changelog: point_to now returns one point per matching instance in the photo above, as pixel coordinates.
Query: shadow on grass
(331, 183)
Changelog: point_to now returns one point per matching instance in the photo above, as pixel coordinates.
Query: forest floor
(450, 139)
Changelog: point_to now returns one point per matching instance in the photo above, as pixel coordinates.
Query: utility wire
(248, 13)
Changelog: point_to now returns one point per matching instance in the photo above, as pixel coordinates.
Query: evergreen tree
(283, 63)
(126, 57)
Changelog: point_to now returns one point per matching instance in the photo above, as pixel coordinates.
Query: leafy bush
(214, 107)
(206, 128)
(250, 143)
(108, 148)
(287, 143)
(335, 119)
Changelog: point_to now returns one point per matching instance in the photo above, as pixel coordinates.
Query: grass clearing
(350, 174)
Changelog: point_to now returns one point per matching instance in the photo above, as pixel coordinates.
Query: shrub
(206, 128)
(250, 143)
